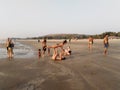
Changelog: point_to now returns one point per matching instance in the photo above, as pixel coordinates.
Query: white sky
(29, 18)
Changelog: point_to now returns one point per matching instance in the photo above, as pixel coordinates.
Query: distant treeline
(76, 36)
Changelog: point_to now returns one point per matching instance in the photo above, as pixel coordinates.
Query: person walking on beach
(10, 46)
(90, 43)
(106, 44)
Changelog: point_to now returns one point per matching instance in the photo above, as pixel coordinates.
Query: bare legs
(56, 55)
(105, 51)
(90, 47)
(10, 53)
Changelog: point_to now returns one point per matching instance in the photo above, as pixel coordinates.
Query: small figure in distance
(38, 40)
(39, 53)
(69, 40)
(44, 46)
(106, 44)
(90, 43)
(10, 46)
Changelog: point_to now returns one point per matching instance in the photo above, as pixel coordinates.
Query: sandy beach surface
(83, 70)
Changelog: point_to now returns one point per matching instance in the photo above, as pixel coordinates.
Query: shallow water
(20, 51)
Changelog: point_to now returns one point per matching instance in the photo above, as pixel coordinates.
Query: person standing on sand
(7, 43)
(38, 40)
(44, 46)
(10, 46)
(39, 53)
(90, 43)
(106, 44)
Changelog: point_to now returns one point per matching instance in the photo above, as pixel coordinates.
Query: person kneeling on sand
(57, 55)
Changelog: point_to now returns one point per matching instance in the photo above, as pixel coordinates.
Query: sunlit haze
(32, 18)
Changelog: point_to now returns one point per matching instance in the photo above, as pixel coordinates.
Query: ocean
(20, 50)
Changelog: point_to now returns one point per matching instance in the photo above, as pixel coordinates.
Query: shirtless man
(90, 43)
(106, 44)
(58, 45)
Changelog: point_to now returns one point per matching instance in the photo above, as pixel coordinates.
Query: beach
(82, 70)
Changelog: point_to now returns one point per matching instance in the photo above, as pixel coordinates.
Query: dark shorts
(7, 48)
(44, 48)
(106, 45)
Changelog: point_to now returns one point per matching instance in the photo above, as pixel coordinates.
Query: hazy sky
(26, 18)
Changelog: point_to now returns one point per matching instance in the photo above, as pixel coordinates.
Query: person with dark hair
(39, 53)
(58, 45)
(10, 46)
(44, 46)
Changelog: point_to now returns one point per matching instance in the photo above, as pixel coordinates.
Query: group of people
(105, 43)
(59, 52)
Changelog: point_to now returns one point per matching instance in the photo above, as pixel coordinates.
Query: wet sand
(83, 70)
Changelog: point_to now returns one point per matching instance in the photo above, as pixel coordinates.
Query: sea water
(20, 51)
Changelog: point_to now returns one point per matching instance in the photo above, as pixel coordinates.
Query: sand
(83, 70)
